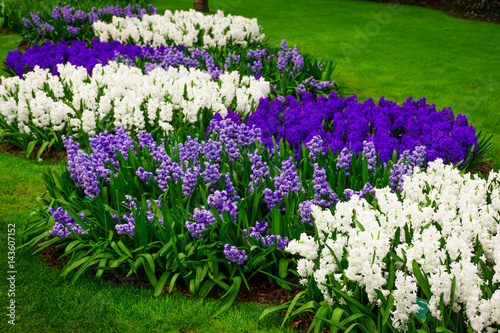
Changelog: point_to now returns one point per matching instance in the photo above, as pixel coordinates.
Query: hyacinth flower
(344, 124)
(259, 63)
(211, 184)
(69, 24)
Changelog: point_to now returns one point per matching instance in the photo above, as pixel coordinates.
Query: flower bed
(67, 24)
(286, 69)
(309, 183)
(189, 28)
(212, 212)
(439, 242)
(345, 122)
(44, 106)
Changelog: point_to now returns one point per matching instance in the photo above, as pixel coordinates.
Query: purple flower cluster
(287, 180)
(49, 55)
(323, 193)
(404, 166)
(79, 19)
(65, 225)
(347, 123)
(344, 160)
(234, 255)
(85, 169)
(260, 170)
(222, 201)
(260, 231)
(129, 226)
(368, 188)
(203, 218)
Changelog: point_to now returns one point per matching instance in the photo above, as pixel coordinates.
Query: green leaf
(161, 283)
(233, 292)
(422, 281)
(30, 147)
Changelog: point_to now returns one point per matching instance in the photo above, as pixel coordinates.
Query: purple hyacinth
(260, 170)
(56, 14)
(203, 218)
(230, 190)
(281, 242)
(368, 188)
(262, 227)
(305, 211)
(344, 160)
(315, 146)
(211, 173)
(370, 154)
(81, 168)
(323, 193)
(234, 255)
(63, 221)
(232, 150)
(212, 150)
(287, 180)
(221, 201)
(143, 174)
(189, 149)
(189, 180)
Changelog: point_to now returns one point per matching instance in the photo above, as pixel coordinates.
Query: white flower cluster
(181, 28)
(122, 95)
(453, 222)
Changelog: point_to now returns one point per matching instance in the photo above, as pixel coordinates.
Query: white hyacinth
(120, 95)
(446, 212)
(181, 28)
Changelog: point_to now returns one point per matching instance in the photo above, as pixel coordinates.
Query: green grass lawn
(414, 51)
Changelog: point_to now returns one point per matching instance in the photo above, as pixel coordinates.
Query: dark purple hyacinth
(346, 123)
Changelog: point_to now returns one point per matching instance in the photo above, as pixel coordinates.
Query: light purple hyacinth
(63, 221)
(370, 154)
(221, 201)
(368, 188)
(323, 193)
(281, 242)
(231, 59)
(287, 180)
(203, 218)
(404, 166)
(212, 150)
(190, 149)
(56, 14)
(211, 173)
(143, 175)
(305, 211)
(344, 160)
(315, 146)
(234, 255)
(189, 180)
(260, 170)
(232, 150)
(262, 227)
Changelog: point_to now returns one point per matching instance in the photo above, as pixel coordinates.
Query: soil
(49, 154)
